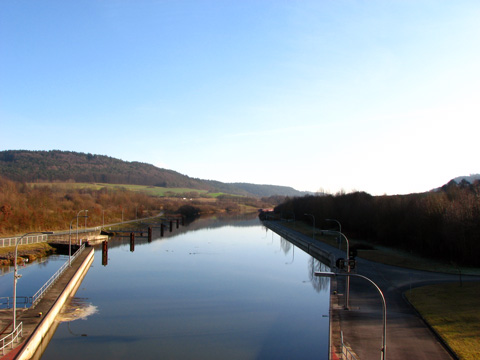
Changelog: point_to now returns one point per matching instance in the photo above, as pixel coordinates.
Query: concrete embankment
(407, 336)
(302, 242)
(37, 328)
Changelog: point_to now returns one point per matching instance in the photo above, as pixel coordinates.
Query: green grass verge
(150, 190)
(453, 311)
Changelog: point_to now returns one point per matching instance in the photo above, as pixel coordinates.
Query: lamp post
(17, 276)
(86, 216)
(70, 237)
(347, 290)
(313, 217)
(77, 221)
(383, 350)
(340, 229)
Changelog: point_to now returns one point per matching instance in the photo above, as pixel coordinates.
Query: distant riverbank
(25, 253)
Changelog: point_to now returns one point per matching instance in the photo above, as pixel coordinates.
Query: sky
(328, 95)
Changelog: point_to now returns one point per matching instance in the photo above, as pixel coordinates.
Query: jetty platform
(39, 321)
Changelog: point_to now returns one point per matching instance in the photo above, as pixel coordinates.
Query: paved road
(408, 337)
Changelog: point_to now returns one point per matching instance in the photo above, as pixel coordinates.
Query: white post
(16, 276)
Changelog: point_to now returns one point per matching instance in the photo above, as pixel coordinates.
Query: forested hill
(55, 165)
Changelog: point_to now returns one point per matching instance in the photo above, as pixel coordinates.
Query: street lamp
(86, 211)
(347, 292)
(16, 276)
(383, 350)
(70, 237)
(340, 229)
(313, 217)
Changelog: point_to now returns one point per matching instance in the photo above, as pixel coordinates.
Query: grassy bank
(28, 253)
(452, 310)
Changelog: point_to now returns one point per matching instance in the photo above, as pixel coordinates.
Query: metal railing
(30, 239)
(346, 353)
(7, 302)
(8, 340)
(39, 294)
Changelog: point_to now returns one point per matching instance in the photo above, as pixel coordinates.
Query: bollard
(149, 234)
(178, 223)
(161, 229)
(105, 253)
(171, 225)
(132, 242)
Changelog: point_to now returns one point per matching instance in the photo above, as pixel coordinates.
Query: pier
(38, 321)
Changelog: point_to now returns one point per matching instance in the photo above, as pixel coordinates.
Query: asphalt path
(408, 336)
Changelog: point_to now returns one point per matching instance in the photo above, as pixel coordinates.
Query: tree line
(26, 207)
(443, 224)
(63, 166)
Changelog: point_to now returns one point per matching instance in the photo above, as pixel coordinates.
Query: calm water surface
(34, 275)
(221, 289)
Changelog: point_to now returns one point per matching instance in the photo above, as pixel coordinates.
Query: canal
(214, 289)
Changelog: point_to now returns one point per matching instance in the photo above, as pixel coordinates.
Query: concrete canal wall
(308, 246)
(51, 305)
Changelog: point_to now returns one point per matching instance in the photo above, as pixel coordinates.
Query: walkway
(408, 337)
(30, 317)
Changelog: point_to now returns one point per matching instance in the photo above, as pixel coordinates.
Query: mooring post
(178, 223)
(171, 225)
(105, 253)
(161, 230)
(149, 234)
(132, 242)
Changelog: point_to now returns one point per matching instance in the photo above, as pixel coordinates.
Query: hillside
(55, 165)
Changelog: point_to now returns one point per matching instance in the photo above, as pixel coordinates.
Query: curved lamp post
(86, 211)
(339, 229)
(347, 297)
(383, 350)
(313, 217)
(17, 276)
(70, 237)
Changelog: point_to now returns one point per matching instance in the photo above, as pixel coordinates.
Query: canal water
(214, 289)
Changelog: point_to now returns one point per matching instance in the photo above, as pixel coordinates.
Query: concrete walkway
(30, 317)
(408, 336)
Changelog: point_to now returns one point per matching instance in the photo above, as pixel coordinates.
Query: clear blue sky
(378, 96)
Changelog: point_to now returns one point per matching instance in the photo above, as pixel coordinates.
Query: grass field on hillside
(150, 190)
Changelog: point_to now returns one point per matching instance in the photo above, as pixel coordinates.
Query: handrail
(5, 301)
(16, 334)
(31, 239)
(39, 294)
(346, 353)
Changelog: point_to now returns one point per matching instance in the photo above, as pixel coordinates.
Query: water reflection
(319, 283)
(34, 275)
(218, 291)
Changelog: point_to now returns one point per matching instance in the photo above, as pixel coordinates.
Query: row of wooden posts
(132, 238)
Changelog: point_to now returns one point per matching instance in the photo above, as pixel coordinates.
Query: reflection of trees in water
(285, 245)
(318, 282)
